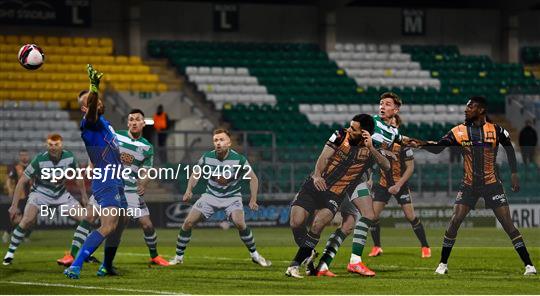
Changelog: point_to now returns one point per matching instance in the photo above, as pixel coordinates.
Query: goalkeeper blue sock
(90, 245)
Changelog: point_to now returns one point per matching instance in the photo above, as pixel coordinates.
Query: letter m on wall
(413, 22)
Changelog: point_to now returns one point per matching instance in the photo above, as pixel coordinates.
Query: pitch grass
(482, 262)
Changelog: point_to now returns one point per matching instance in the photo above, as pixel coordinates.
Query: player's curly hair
(366, 122)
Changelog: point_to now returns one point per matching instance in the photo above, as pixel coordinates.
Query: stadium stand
(26, 124)
(65, 60)
(302, 94)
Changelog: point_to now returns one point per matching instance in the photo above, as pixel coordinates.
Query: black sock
(301, 255)
(310, 242)
(111, 245)
(108, 258)
(448, 243)
(299, 235)
(375, 230)
(519, 246)
(418, 229)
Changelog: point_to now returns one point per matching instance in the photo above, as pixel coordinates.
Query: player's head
(476, 108)
(222, 140)
(83, 102)
(389, 105)
(54, 145)
(24, 156)
(136, 121)
(359, 123)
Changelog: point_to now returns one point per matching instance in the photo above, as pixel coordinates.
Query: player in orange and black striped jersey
(340, 167)
(479, 140)
(393, 183)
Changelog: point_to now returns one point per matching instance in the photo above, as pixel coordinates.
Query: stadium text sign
(225, 17)
(413, 22)
(525, 215)
(46, 12)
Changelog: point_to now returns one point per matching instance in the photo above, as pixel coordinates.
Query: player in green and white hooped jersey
(136, 154)
(227, 168)
(383, 137)
(46, 192)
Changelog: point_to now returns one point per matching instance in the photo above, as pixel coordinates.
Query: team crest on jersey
(140, 150)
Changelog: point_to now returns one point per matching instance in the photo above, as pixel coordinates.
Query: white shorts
(209, 204)
(134, 201)
(361, 190)
(38, 199)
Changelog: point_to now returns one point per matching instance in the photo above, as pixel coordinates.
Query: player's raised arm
(93, 99)
(382, 161)
(505, 141)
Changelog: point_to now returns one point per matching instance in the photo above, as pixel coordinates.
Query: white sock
(9, 255)
(255, 255)
(323, 267)
(355, 259)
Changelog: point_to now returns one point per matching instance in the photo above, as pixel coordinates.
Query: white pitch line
(90, 287)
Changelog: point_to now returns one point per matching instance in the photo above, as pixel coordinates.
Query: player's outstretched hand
(253, 205)
(187, 196)
(412, 142)
(515, 182)
(94, 76)
(319, 183)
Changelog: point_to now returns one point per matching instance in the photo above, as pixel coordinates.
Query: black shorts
(381, 194)
(493, 195)
(311, 199)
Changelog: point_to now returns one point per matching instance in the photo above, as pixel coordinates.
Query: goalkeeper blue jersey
(103, 149)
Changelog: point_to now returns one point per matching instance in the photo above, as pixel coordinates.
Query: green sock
(79, 237)
(360, 235)
(150, 238)
(332, 246)
(182, 240)
(17, 236)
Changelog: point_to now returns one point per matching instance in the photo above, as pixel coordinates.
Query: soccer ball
(31, 56)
